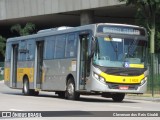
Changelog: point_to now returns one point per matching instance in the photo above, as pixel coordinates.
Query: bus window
(22, 52)
(60, 46)
(71, 46)
(8, 52)
(49, 48)
(31, 49)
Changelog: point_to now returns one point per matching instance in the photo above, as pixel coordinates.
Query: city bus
(104, 59)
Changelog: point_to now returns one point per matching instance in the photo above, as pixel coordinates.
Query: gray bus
(105, 59)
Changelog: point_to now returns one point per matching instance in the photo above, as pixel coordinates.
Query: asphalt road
(14, 100)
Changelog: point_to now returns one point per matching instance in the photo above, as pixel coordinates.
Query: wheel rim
(25, 87)
(70, 89)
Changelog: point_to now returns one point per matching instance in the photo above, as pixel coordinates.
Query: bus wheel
(26, 90)
(71, 94)
(118, 97)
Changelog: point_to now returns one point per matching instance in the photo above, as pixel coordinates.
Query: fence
(154, 74)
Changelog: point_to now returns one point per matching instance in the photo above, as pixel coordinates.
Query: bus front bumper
(99, 86)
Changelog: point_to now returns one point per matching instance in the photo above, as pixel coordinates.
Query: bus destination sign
(121, 30)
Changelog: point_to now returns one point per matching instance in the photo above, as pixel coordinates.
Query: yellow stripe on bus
(6, 74)
(25, 71)
(136, 65)
(122, 79)
(20, 74)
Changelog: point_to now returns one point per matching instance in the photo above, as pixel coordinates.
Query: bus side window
(49, 47)
(8, 52)
(71, 46)
(22, 52)
(31, 49)
(60, 46)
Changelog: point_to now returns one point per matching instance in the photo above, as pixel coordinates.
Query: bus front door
(14, 58)
(39, 65)
(84, 66)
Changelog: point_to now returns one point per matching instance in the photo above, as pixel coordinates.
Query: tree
(2, 45)
(148, 9)
(148, 12)
(26, 30)
(157, 37)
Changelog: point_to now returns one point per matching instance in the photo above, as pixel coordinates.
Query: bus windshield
(116, 52)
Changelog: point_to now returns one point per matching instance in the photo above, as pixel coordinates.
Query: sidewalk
(1, 81)
(146, 97)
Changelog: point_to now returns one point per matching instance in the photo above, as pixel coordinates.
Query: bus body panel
(56, 72)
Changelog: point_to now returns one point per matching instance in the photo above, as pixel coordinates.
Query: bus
(104, 59)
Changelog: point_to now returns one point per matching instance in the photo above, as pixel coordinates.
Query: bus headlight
(144, 80)
(101, 79)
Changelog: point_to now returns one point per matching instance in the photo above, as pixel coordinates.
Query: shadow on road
(101, 99)
(83, 98)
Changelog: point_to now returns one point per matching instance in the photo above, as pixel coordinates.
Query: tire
(26, 90)
(70, 93)
(118, 97)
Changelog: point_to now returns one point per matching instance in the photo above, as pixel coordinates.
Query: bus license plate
(123, 87)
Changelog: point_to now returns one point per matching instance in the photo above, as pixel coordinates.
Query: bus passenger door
(38, 65)
(84, 61)
(14, 58)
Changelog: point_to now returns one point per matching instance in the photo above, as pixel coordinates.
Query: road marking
(126, 106)
(15, 109)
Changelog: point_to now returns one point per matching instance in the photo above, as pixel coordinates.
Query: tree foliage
(26, 30)
(147, 13)
(2, 45)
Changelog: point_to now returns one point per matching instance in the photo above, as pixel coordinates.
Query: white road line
(126, 106)
(15, 109)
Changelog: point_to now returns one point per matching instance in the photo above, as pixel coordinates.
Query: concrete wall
(24, 8)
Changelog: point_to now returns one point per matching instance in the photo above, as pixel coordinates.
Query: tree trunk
(152, 34)
(152, 50)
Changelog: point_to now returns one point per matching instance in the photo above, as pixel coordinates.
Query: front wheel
(118, 97)
(71, 94)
